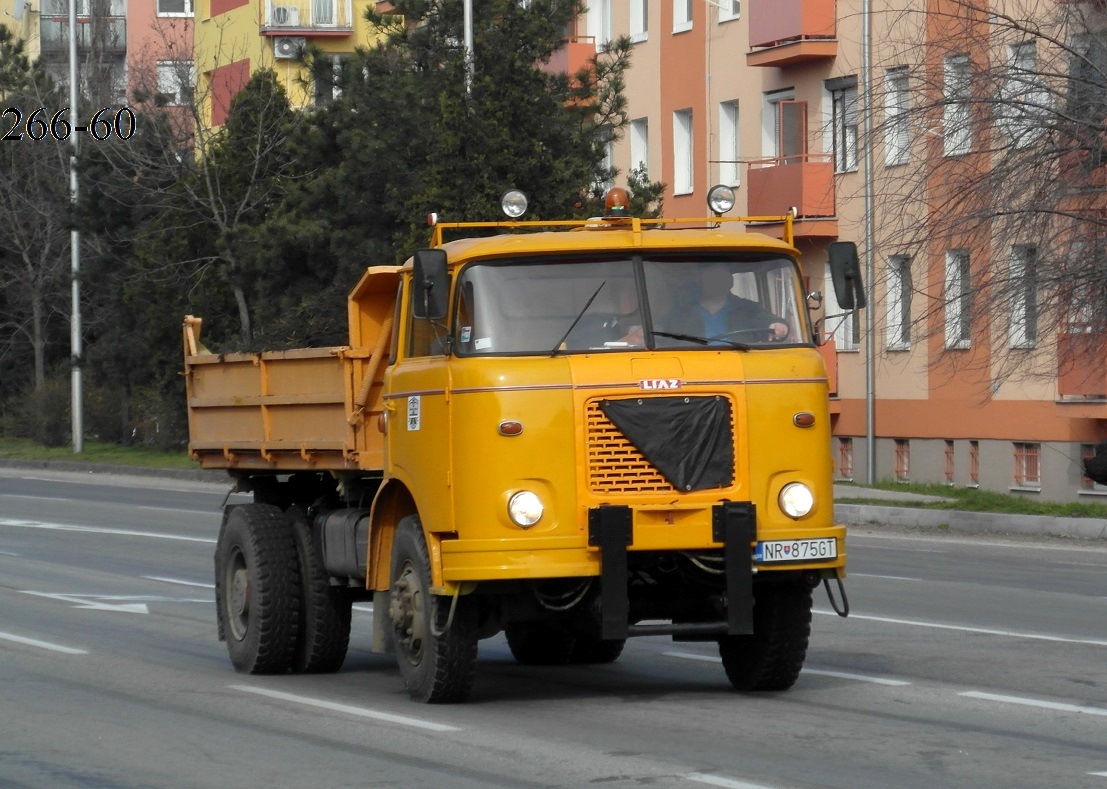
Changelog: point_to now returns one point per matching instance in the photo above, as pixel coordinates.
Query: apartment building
(770, 97)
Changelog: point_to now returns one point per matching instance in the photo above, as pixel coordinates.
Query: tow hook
(842, 611)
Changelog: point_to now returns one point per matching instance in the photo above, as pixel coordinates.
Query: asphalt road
(966, 662)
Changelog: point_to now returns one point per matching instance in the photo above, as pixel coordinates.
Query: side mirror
(845, 270)
(430, 285)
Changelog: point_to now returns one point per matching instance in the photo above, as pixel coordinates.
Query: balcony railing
(308, 17)
(101, 33)
(804, 182)
(573, 55)
(1082, 364)
(783, 32)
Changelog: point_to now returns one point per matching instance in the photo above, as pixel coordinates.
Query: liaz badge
(656, 384)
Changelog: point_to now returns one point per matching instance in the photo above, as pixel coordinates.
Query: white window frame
(897, 139)
(770, 118)
(958, 300)
(1024, 97)
(898, 330)
(599, 21)
(730, 171)
(174, 78)
(729, 10)
(684, 181)
(1022, 275)
(639, 20)
(957, 106)
(682, 15)
(188, 10)
(842, 325)
(640, 144)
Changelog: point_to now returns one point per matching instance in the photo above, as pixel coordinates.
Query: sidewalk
(955, 521)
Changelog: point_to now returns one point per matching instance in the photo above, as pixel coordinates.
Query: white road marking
(360, 712)
(967, 629)
(1047, 705)
(31, 642)
(715, 780)
(1099, 775)
(88, 601)
(819, 672)
(177, 581)
(8, 553)
(102, 530)
(367, 608)
(884, 577)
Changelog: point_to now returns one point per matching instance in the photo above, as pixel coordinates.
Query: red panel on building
(223, 6)
(226, 82)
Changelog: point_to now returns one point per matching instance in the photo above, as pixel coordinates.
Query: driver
(716, 312)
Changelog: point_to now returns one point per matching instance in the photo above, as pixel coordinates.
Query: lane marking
(728, 783)
(177, 581)
(101, 530)
(1047, 705)
(816, 671)
(1099, 775)
(966, 629)
(884, 577)
(90, 601)
(31, 642)
(361, 712)
(8, 553)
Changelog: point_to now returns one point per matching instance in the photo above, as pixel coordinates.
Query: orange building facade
(771, 99)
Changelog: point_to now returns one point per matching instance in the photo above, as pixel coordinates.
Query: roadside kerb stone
(970, 522)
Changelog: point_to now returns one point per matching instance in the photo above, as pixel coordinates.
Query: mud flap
(610, 528)
(734, 524)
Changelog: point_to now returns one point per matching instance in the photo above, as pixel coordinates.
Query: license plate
(796, 550)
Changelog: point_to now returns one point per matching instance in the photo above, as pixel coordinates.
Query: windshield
(610, 304)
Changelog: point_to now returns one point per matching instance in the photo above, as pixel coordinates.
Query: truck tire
(324, 634)
(437, 663)
(596, 650)
(257, 584)
(535, 644)
(772, 656)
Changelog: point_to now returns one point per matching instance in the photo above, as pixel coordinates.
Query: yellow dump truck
(571, 432)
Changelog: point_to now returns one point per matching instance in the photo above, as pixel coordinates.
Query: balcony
(315, 18)
(829, 351)
(573, 56)
(786, 32)
(804, 182)
(106, 34)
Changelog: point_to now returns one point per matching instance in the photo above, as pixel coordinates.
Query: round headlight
(720, 199)
(796, 499)
(514, 203)
(525, 509)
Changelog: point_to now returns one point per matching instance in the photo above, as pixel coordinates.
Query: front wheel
(437, 654)
(772, 656)
(257, 589)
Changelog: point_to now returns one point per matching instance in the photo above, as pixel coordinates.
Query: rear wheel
(324, 633)
(772, 656)
(258, 589)
(535, 644)
(437, 655)
(596, 650)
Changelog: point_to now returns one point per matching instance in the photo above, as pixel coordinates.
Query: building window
(845, 458)
(682, 152)
(682, 15)
(728, 144)
(903, 460)
(1023, 281)
(599, 21)
(1087, 452)
(1028, 465)
(843, 123)
(639, 20)
(608, 163)
(174, 7)
(949, 462)
(958, 300)
(957, 109)
(1087, 102)
(844, 327)
(176, 79)
(784, 127)
(974, 463)
(327, 78)
(640, 146)
(729, 9)
(896, 104)
(899, 303)
(1024, 98)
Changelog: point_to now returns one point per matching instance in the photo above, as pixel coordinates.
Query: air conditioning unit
(285, 16)
(289, 47)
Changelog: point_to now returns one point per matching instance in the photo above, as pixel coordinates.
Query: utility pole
(75, 348)
(469, 56)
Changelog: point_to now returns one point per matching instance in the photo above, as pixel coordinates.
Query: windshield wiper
(741, 346)
(573, 325)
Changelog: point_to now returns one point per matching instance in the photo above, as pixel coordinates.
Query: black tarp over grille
(688, 439)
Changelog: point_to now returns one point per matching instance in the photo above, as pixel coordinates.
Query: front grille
(614, 464)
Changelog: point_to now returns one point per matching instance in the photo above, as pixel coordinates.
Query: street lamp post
(76, 407)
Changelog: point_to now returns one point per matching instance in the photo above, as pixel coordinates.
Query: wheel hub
(405, 609)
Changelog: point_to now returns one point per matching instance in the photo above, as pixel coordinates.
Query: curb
(971, 522)
(74, 466)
